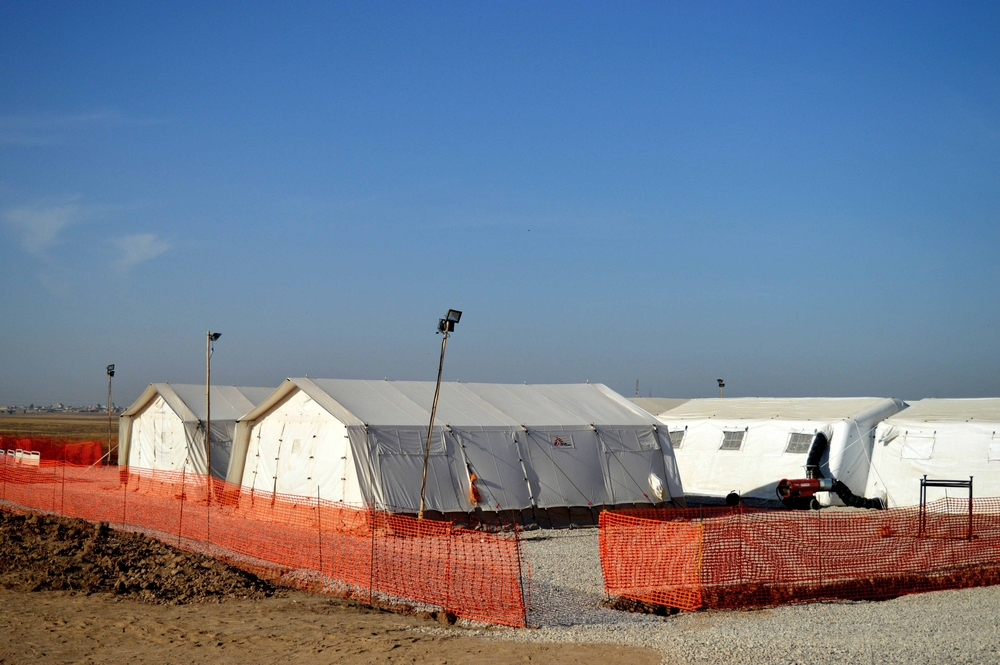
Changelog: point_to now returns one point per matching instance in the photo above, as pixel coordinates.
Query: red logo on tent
(559, 442)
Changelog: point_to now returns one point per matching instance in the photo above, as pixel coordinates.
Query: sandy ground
(68, 627)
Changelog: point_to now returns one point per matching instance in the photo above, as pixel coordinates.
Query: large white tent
(531, 447)
(946, 439)
(164, 429)
(748, 445)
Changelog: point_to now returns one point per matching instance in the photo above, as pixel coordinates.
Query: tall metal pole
(430, 428)
(109, 417)
(208, 409)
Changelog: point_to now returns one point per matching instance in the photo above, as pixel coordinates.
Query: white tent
(164, 429)
(531, 447)
(946, 439)
(747, 445)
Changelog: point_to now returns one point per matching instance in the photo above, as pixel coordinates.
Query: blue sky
(801, 198)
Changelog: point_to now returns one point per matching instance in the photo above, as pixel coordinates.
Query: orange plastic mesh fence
(376, 557)
(754, 558)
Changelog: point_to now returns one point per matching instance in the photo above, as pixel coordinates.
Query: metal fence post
(371, 562)
(319, 528)
(180, 520)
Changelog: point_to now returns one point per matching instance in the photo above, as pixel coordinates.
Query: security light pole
(111, 372)
(722, 385)
(445, 326)
(209, 338)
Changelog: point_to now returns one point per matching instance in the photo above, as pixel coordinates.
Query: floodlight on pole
(111, 372)
(722, 384)
(210, 338)
(445, 326)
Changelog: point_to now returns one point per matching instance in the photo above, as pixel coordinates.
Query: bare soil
(56, 553)
(76, 592)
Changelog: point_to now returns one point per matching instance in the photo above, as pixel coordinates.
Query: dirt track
(60, 627)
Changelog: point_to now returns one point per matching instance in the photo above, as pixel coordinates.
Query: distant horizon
(803, 199)
(632, 395)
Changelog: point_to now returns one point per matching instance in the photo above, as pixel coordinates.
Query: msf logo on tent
(560, 442)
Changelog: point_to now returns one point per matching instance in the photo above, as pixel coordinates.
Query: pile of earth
(40, 553)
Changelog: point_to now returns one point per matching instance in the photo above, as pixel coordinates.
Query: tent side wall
(124, 439)
(772, 449)
(389, 466)
(767, 454)
(906, 450)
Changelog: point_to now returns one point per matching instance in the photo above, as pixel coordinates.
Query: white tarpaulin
(164, 429)
(747, 445)
(540, 446)
(944, 439)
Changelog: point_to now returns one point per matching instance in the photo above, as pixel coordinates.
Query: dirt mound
(52, 553)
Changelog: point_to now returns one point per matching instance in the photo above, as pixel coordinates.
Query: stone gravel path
(944, 627)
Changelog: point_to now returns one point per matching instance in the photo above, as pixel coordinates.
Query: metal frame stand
(960, 484)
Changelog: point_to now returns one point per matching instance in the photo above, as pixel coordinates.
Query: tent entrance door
(631, 456)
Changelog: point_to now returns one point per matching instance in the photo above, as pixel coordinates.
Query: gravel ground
(944, 627)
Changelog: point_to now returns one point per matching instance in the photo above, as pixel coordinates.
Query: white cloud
(139, 247)
(39, 228)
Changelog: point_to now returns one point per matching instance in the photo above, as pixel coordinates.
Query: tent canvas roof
(408, 403)
(773, 408)
(951, 410)
(188, 400)
(657, 405)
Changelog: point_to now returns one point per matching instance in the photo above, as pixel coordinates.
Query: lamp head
(721, 384)
(447, 324)
(111, 371)
(215, 336)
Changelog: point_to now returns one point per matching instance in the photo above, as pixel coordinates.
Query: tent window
(799, 442)
(993, 454)
(733, 440)
(917, 447)
(676, 437)
(625, 440)
(407, 442)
